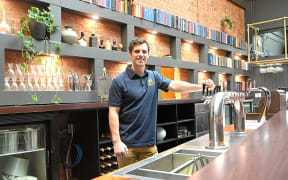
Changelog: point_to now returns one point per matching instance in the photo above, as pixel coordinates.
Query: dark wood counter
(261, 155)
(77, 106)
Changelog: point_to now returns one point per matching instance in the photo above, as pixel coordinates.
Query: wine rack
(108, 160)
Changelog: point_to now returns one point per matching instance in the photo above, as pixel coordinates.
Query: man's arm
(182, 86)
(120, 148)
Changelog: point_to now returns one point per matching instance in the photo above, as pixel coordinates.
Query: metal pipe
(239, 117)
(272, 20)
(285, 38)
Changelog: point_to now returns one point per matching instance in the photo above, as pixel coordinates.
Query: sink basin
(177, 165)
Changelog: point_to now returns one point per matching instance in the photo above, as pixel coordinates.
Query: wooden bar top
(263, 154)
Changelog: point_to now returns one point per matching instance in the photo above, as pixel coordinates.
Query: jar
(69, 36)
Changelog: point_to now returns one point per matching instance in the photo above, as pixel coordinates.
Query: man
(133, 98)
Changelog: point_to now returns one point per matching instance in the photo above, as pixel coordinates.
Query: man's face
(139, 54)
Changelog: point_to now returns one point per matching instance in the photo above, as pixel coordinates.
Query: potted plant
(227, 23)
(39, 25)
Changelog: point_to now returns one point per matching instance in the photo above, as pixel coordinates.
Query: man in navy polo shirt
(133, 98)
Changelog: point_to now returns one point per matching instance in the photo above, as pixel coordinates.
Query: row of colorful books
(219, 60)
(115, 5)
(242, 65)
(167, 19)
(227, 39)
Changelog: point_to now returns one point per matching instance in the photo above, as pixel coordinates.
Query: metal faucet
(217, 117)
(267, 94)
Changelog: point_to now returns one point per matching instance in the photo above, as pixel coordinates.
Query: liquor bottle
(70, 81)
(82, 41)
(108, 45)
(93, 41)
(114, 165)
(102, 44)
(114, 46)
(76, 82)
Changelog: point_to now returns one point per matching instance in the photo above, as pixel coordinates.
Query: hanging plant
(228, 22)
(39, 25)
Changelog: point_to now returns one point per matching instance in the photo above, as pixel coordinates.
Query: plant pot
(38, 30)
(69, 36)
(225, 26)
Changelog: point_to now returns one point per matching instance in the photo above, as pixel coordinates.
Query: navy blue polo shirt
(137, 97)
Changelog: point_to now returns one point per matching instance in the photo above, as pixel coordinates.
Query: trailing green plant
(29, 52)
(228, 21)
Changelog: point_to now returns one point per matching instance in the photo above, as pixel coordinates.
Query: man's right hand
(120, 149)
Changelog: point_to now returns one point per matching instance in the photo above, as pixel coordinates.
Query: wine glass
(10, 71)
(22, 86)
(14, 86)
(7, 85)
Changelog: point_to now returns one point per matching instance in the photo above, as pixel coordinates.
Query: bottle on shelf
(101, 46)
(76, 82)
(82, 41)
(108, 45)
(114, 46)
(70, 81)
(93, 41)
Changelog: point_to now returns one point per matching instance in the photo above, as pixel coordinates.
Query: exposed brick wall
(66, 65)
(223, 78)
(202, 76)
(218, 52)
(114, 68)
(205, 12)
(159, 44)
(184, 77)
(241, 79)
(190, 52)
(15, 10)
(102, 30)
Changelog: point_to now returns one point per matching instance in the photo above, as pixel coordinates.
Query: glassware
(93, 41)
(7, 85)
(32, 71)
(36, 86)
(49, 84)
(4, 27)
(22, 86)
(76, 82)
(18, 72)
(108, 45)
(29, 84)
(102, 44)
(70, 81)
(55, 83)
(61, 85)
(88, 83)
(42, 84)
(114, 46)
(14, 86)
(10, 71)
(39, 71)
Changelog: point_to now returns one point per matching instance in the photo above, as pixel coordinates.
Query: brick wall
(202, 76)
(114, 68)
(66, 65)
(223, 78)
(218, 52)
(241, 79)
(190, 52)
(205, 12)
(159, 44)
(102, 30)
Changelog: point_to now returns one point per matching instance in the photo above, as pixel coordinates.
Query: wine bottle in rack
(114, 165)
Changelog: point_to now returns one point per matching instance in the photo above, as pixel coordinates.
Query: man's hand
(120, 149)
(210, 84)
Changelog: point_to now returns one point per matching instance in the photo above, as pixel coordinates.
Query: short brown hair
(137, 41)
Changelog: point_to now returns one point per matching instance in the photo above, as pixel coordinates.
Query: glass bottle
(102, 44)
(70, 81)
(108, 45)
(4, 27)
(114, 46)
(93, 41)
(82, 41)
(76, 82)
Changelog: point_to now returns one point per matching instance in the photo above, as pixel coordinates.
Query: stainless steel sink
(177, 165)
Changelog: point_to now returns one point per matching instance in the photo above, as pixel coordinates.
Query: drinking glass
(10, 71)
(18, 72)
(22, 86)
(29, 84)
(14, 86)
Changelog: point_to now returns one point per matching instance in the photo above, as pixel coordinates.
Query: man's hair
(137, 41)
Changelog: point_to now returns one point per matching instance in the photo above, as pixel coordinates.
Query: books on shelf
(219, 60)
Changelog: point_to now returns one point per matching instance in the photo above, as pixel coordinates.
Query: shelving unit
(128, 26)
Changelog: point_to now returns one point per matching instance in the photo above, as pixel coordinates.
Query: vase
(4, 27)
(69, 36)
(38, 30)
(82, 41)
